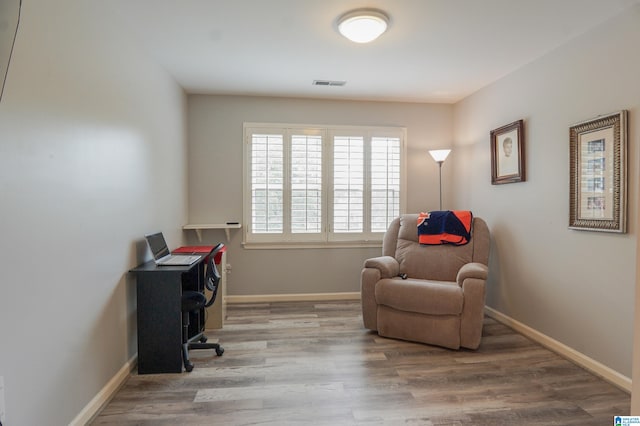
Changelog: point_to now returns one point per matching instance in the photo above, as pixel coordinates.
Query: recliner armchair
(441, 299)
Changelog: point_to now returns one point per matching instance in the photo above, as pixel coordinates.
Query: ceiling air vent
(328, 83)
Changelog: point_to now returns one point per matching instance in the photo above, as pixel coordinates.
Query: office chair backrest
(212, 275)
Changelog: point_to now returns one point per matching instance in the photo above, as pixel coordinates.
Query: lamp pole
(440, 180)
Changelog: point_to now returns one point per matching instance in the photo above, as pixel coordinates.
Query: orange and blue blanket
(445, 227)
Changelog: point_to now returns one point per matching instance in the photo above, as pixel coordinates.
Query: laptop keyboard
(181, 260)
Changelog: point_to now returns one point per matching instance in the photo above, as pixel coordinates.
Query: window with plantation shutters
(314, 186)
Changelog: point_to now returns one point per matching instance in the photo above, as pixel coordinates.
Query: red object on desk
(201, 250)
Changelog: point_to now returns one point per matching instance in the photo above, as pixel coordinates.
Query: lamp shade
(439, 155)
(363, 25)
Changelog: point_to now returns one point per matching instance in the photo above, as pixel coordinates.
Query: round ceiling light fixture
(363, 25)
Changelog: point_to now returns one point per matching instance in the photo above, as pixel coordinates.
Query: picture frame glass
(595, 197)
(507, 149)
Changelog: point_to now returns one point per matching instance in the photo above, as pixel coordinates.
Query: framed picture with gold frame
(598, 174)
(507, 153)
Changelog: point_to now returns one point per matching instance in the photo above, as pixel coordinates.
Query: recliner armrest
(387, 265)
(472, 270)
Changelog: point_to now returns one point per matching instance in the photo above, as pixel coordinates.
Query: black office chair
(194, 301)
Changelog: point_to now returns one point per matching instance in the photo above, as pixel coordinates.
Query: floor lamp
(439, 155)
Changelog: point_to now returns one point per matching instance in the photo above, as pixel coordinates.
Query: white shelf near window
(226, 226)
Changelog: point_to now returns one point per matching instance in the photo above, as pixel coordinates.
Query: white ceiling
(434, 50)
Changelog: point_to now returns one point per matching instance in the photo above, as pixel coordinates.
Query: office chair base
(219, 349)
(192, 344)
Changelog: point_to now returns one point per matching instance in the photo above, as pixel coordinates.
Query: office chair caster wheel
(188, 367)
(220, 351)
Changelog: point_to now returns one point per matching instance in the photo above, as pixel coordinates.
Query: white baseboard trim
(106, 393)
(302, 297)
(608, 374)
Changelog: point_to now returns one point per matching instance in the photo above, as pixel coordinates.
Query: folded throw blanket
(445, 227)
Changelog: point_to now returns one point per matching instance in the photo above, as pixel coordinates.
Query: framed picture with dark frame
(507, 154)
(598, 174)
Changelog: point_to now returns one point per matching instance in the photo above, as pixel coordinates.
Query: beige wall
(574, 286)
(215, 182)
(89, 130)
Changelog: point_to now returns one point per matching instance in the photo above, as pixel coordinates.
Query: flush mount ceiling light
(363, 25)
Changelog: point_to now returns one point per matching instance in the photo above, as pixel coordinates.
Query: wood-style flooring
(313, 363)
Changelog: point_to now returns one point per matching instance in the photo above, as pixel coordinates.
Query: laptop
(162, 255)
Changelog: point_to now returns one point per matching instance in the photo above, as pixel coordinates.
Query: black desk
(159, 294)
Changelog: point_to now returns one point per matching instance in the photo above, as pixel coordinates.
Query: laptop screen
(158, 245)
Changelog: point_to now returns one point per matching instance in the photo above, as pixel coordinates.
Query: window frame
(326, 237)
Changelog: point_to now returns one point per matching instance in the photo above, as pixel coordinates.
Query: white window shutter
(385, 182)
(348, 184)
(306, 184)
(267, 183)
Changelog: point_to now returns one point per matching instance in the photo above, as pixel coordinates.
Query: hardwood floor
(300, 363)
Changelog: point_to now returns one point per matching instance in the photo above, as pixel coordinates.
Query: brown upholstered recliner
(441, 302)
